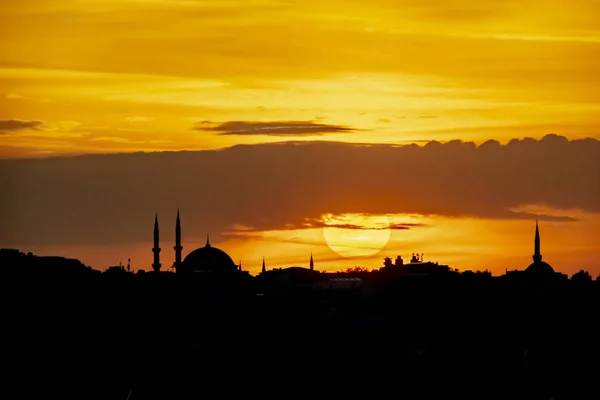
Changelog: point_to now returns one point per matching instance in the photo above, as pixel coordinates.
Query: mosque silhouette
(207, 259)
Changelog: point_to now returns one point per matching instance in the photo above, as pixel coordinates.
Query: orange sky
(113, 76)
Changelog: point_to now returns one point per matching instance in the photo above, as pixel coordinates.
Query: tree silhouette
(387, 262)
(581, 277)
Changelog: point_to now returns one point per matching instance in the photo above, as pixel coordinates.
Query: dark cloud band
(287, 185)
(19, 124)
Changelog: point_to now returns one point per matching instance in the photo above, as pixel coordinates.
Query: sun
(355, 235)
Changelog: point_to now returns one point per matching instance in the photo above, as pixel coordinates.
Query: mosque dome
(208, 259)
(540, 268)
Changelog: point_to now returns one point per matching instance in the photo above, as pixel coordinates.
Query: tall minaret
(537, 256)
(264, 269)
(156, 249)
(240, 266)
(312, 264)
(178, 246)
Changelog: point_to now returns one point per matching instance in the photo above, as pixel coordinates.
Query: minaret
(156, 249)
(240, 266)
(312, 264)
(178, 246)
(207, 240)
(537, 256)
(264, 269)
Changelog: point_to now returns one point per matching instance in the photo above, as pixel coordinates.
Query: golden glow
(358, 241)
(463, 243)
(137, 74)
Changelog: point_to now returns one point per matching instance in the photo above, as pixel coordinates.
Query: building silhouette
(207, 259)
(538, 271)
(538, 266)
(156, 248)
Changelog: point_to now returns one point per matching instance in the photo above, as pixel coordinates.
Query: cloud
(274, 128)
(139, 119)
(313, 223)
(15, 96)
(544, 217)
(115, 139)
(113, 198)
(19, 124)
(43, 129)
(61, 126)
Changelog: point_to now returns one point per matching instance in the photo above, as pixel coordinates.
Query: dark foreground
(114, 338)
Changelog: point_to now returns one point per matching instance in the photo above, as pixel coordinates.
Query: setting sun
(356, 235)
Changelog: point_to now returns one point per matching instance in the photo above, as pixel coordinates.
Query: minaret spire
(178, 246)
(312, 264)
(537, 256)
(156, 248)
(240, 266)
(207, 240)
(264, 269)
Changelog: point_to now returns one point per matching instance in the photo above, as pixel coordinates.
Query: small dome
(540, 268)
(208, 259)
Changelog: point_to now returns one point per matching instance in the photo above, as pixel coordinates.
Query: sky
(354, 130)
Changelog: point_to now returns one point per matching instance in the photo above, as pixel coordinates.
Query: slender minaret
(240, 266)
(312, 264)
(207, 240)
(264, 269)
(178, 246)
(537, 256)
(156, 249)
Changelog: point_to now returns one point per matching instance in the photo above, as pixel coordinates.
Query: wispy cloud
(16, 96)
(274, 128)
(38, 128)
(19, 124)
(316, 223)
(115, 139)
(139, 119)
